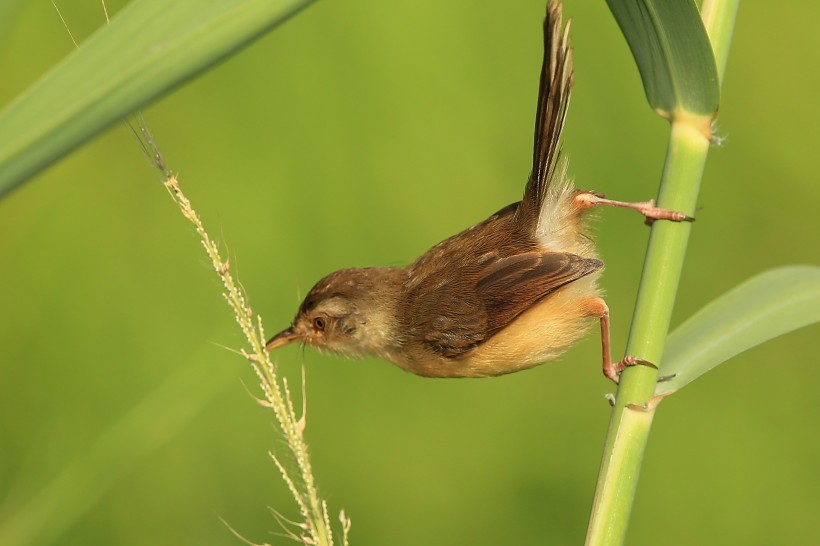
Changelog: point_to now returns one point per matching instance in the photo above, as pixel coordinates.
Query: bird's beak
(281, 339)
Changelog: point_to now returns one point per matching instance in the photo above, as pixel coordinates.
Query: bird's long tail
(553, 100)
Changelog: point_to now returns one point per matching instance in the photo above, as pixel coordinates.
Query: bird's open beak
(281, 339)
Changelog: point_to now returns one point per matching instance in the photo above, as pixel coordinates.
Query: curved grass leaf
(673, 54)
(764, 307)
(149, 47)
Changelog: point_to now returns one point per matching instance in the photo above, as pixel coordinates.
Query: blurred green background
(361, 133)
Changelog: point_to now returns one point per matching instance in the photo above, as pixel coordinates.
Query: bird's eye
(319, 323)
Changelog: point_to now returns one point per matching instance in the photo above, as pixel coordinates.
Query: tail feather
(553, 100)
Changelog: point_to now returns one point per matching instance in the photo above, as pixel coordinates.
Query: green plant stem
(629, 428)
(719, 20)
(632, 414)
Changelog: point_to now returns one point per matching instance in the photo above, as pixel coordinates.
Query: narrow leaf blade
(673, 53)
(764, 307)
(150, 47)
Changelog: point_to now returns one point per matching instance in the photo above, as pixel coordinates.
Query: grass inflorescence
(315, 527)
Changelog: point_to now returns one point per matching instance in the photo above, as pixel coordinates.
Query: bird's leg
(597, 307)
(587, 199)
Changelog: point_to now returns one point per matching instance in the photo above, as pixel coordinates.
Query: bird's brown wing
(553, 101)
(512, 285)
(454, 324)
(462, 317)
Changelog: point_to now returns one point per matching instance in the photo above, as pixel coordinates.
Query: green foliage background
(362, 133)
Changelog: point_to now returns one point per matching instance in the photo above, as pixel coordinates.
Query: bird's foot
(613, 371)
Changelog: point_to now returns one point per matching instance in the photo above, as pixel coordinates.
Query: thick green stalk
(629, 426)
(631, 418)
(719, 20)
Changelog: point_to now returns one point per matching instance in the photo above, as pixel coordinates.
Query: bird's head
(350, 312)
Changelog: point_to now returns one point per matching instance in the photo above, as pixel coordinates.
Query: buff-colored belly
(541, 334)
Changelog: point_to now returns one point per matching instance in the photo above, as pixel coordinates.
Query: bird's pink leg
(597, 307)
(586, 199)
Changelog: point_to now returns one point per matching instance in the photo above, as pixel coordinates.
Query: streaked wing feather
(504, 290)
(513, 285)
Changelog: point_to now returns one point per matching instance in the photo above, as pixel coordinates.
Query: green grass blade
(764, 307)
(149, 47)
(673, 54)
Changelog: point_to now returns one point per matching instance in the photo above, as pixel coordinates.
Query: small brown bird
(514, 291)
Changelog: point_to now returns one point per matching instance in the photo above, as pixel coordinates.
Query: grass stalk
(315, 528)
(719, 20)
(631, 419)
(633, 409)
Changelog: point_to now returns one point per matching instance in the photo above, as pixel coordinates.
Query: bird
(507, 294)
